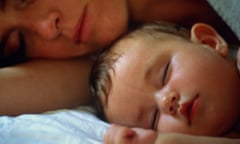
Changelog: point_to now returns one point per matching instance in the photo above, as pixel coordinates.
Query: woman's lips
(82, 28)
(189, 109)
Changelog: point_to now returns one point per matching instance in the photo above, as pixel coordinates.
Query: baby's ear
(205, 34)
(238, 59)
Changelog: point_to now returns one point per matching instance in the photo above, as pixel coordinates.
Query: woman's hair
(100, 77)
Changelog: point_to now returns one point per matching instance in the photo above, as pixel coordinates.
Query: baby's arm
(176, 138)
(124, 135)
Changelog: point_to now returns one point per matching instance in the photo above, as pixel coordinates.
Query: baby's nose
(168, 103)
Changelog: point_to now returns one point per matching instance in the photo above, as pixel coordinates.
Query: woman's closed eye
(13, 48)
(22, 41)
(15, 43)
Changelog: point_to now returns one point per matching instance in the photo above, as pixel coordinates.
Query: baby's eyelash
(165, 73)
(155, 119)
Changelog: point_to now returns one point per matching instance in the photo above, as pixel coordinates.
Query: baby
(160, 78)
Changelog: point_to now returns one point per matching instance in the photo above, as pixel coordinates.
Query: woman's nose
(48, 27)
(168, 102)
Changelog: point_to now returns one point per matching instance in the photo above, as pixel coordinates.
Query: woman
(61, 28)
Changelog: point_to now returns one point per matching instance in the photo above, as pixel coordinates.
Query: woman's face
(59, 28)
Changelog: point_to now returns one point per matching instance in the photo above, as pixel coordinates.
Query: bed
(77, 126)
(229, 11)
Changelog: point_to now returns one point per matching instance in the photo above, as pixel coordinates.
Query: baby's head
(158, 77)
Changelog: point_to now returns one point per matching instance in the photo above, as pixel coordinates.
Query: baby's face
(173, 86)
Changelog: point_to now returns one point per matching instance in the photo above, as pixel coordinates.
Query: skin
(154, 99)
(42, 85)
(238, 60)
(119, 134)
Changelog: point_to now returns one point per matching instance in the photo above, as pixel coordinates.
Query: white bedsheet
(59, 127)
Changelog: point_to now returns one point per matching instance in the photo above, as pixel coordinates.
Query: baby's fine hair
(100, 77)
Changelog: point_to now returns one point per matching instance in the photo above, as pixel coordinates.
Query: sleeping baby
(167, 83)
